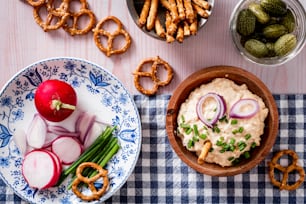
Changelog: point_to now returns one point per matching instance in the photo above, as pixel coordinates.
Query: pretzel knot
(60, 13)
(96, 194)
(283, 184)
(99, 32)
(35, 2)
(73, 29)
(155, 62)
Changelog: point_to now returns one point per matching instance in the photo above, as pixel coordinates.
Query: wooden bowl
(239, 76)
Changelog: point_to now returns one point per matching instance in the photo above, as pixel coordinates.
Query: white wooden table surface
(23, 42)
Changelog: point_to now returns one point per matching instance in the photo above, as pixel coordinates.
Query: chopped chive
(203, 136)
(231, 158)
(188, 131)
(253, 145)
(232, 148)
(195, 130)
(190, 144)
(195, 138)
(216, 129)
(234, 122)
(246, 155)
(241, 145)
(184, 125)
(183, 119)
(232, 141)
(235, 131)
(219, 143)
(223, 119)
(247, 136)
(240, 130)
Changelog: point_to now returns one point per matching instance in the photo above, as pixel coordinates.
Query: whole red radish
(55, 100)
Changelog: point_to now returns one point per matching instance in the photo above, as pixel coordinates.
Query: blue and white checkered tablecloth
(161, 177)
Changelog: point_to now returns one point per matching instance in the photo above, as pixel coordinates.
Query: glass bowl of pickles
(268, 32)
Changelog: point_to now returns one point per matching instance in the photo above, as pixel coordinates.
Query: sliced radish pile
(67, 149)
(41, 169)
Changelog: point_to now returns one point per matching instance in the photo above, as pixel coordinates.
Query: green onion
(203, 136)
(195, 130)
(240, 130)
(253, 145)
(234, 122)
(247, 136)
(99, 148)
(190, 144)
(246, 155)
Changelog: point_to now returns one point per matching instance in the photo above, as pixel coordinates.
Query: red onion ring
(220, 111)
(237, 110)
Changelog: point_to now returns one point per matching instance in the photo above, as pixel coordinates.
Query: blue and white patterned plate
(99, 92)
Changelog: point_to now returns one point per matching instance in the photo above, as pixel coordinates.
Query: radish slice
(20, 139)
(39, 169)
(56, 159)
(244, 108)
(93, 134)
(67, 149)
(36, 133)
(84, 123)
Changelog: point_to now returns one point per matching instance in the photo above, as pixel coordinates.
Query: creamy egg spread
(231, 137)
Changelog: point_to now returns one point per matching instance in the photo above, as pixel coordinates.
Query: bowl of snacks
(268, 32)
(222, 121)
(170, 20)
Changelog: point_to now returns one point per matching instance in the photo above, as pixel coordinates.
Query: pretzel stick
(144, 13)
(174, 13)
(202, 12)
(190, 15)
(181, 9)
(202, 3)
(168, 23)
(180, 34)
(186, 28)
(160, 31)
(204, 152)
(194, 27)
(152, 14)
(171, 6)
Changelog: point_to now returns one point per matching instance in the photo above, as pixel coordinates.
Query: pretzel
(75, 16)
(152, 14)
(156, 62)
(204, 152)
(159, 29)
(190, 15)
(96, 194)
(99, 31)
(144, 13)
(200, 11)
(35, 2)
(60, 13)
(202, 3)
(286, 170)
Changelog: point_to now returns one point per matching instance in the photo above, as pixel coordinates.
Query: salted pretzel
(100, 32)
(36, 2)
(155, 63)
(96, 194)
(73, 29)
(283, 184)
(60, 13)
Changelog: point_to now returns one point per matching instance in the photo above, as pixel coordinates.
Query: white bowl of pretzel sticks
(170, 20)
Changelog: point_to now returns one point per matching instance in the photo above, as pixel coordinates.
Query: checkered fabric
(161, 177)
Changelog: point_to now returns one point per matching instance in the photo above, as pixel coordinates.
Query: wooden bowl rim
(205, 75)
